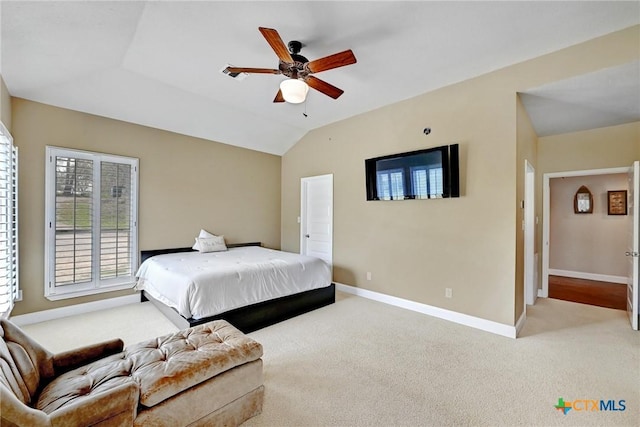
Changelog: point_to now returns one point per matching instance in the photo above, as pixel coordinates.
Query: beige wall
(527, 149)
(185, 184)
(587, 243)
(5, 105)
(601, 148)
(415, 249)
(408, 246)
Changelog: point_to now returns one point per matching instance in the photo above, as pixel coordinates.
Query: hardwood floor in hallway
(603, 294)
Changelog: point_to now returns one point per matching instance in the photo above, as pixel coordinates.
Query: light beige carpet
(363, 363)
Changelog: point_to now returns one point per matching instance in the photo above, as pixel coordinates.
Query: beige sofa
(210, 374)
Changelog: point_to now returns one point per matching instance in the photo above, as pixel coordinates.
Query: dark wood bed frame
(251, 317)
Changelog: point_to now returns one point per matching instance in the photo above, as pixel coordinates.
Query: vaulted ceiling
(157, 63)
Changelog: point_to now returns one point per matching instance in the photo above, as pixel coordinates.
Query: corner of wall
(5, 104)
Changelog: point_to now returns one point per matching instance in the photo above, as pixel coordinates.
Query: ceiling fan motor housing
(295, 46)
(295, 69)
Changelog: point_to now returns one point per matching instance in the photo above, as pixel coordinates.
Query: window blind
(9, 291)
(74, 220)
(115, 221)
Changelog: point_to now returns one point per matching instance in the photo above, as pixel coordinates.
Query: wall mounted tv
(424, 174)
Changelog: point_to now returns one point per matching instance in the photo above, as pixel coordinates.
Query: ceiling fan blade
(324, 87)
(234, 70)
(276, 43)
(279, 97)
(332, 61)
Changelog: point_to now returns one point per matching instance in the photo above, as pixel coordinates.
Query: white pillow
(203, 234)
(211, 244)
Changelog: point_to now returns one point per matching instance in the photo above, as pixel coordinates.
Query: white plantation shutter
(91, 222)
(116, 238)
(9, 291)
(73, 224)
(436, 181)
(419, 182)
(390, 184)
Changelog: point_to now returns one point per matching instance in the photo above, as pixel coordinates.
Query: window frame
(96, 285)
(12, 286)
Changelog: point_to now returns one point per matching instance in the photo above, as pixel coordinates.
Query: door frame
(632, 280)
(303, 208)
(530, 285)
(546, 214)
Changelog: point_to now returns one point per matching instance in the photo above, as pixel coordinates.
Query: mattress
(200, 285)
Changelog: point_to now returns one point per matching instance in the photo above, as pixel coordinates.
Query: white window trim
(13, 285)
(96, 286)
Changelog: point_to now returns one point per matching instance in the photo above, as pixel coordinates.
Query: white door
(633, 249)
(316, 212)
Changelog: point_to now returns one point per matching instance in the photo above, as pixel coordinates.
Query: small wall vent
(235, 76)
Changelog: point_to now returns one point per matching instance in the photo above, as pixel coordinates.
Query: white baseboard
(588, 276)
(58, 313)
(441, 313)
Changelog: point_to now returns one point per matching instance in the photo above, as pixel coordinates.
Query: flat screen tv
(431, 173)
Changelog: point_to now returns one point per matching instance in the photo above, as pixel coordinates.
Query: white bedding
(200, 285)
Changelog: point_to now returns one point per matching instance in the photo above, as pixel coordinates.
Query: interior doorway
(597, 274)
(316, 217)
(592, 292)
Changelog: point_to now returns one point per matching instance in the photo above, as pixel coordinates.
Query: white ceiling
(603, 98)
(157, 63)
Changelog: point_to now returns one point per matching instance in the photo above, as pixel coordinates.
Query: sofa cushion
(17, 372)
(170, 364)
(85, 383)
(203, 399)
(23, 362)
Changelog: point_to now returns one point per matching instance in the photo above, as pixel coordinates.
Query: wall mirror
(583, 201)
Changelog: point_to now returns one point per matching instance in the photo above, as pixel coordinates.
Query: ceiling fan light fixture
(294, 91)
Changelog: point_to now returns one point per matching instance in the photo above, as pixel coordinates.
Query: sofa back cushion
(23, 362)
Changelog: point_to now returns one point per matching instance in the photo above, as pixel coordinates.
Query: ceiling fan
(299, 69)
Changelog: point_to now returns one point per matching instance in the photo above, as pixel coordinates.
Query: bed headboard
(144, 255)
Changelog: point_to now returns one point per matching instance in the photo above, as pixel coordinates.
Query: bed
(249, 286)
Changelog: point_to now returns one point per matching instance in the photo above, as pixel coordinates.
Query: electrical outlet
(448, 293)
(368, 275)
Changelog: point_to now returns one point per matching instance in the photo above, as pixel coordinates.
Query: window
(91, 229)
(391, 184)
(9, 290)
(427, 182)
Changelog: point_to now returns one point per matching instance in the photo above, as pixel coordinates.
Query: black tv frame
(450, 164)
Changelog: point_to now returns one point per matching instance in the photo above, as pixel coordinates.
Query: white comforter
(199, 285)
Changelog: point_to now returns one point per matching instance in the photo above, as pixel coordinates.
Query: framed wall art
(617, 202)
(583, 201)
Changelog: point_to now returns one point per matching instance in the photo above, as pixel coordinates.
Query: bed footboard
(260, 315)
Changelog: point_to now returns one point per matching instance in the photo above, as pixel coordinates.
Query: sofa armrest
(117, 406)
(14, 412)
(72, 359)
